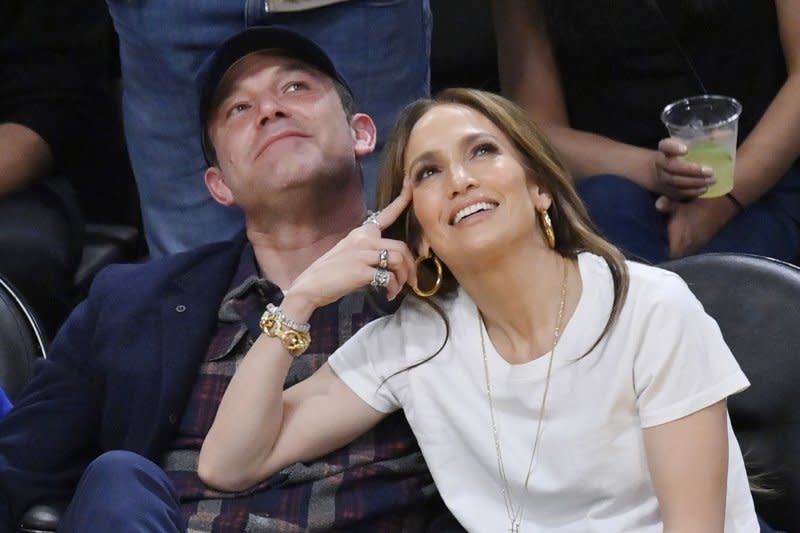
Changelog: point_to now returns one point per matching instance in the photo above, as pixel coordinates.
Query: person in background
(552, 386)
(119, 410)
(54, 91)
(381, 46)
(596, 75)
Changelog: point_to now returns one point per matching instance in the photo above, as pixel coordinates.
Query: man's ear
(215, 181)
(364, 134)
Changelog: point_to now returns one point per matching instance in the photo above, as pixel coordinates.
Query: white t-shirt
(664, 359)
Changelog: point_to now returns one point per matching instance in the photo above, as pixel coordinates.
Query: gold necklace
(515, 514)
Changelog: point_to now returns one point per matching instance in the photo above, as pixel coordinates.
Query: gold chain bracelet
(294, 337)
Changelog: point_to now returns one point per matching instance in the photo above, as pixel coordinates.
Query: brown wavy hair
(574, 230)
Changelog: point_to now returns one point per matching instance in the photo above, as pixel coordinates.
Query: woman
(596, 75)
(551, 386)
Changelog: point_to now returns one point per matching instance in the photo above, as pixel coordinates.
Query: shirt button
(180, 308)
(173, 419)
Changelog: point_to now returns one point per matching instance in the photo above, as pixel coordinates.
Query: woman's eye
(425, 172)
(485, 149)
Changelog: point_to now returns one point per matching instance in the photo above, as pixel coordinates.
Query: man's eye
(238, 108)
(295, 86)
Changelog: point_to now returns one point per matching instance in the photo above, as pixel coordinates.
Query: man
(142, 364)
(381, 46)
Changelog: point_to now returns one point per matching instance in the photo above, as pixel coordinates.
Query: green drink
(719, 156)
(707, 125)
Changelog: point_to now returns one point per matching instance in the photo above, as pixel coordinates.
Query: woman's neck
(519, 296)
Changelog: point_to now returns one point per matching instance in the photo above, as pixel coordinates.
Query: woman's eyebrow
(464, 142)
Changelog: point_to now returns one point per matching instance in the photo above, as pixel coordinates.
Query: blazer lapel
(188, 314)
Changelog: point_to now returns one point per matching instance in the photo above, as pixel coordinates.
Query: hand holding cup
(706, 126)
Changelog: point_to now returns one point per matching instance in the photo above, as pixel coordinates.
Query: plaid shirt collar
(246, 278)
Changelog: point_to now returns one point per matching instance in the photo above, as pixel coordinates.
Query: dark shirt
(621, 62)
(377, 483)
(54, 59)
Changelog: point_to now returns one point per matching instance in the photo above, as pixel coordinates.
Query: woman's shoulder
(415, 323)
(654, 277)
(649, 286)
(657, 284)
(658, 296)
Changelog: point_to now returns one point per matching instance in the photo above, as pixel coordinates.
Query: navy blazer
(117, 376)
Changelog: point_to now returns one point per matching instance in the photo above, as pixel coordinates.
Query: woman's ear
(215, 182)
(541, 198)
(546, 200)
(424, 247)
(364, 134)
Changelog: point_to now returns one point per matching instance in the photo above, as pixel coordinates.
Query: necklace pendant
(514, 527)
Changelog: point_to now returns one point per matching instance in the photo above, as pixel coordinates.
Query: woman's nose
(461, 179)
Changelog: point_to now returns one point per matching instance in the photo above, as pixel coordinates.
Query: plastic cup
(707, 125)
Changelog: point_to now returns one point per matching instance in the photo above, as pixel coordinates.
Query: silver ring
(383, 258)
(372, 218)
(380, 278)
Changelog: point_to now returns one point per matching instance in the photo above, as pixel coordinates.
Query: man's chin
(297, 173)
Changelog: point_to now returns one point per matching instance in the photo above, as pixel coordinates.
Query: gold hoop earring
(438, 284)
(547, 227)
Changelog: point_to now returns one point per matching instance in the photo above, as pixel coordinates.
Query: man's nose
(269, 108)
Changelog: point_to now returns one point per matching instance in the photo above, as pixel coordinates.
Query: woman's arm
(761, 160)
(530, 76)
(688, 462)
(260, 428)
(774, 144)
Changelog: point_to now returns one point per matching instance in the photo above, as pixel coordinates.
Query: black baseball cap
(284, 41)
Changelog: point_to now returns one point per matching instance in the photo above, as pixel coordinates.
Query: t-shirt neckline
(579, 333)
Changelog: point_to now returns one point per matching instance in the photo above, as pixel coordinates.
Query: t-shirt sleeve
(683, 363)
(363, 362)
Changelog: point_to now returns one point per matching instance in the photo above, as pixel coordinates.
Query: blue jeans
(626, 215)
(122, 492)
(382, 48)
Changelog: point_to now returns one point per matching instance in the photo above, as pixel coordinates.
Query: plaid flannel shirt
(377, 483)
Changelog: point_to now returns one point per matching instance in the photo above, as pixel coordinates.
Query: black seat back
(21, 340)
(756, 301)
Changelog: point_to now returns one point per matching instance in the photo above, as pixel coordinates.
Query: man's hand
(677, 178)
(693, 224)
